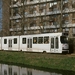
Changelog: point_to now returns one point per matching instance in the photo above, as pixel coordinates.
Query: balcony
(50, 0)
(72, 10)
(54, 26)
(33, 28)
(68, 25)
(72, 25)
(66, 10)
(32, 15)
(19, 29)
(11, 29)
(43, 0)
(43, 13)
(28, 3)
(15, 29)
(16, 17)
(18, 4)
(32, 2)
(13, 6)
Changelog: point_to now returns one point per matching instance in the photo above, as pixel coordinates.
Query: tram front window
(63, 39)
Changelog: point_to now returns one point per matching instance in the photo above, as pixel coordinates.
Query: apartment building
(38, 16)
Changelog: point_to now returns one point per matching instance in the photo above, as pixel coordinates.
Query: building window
(73, 30)
(66, 18)
(5, 41)
(51, 4)
(15, 40)
(73, 18)
(73, 4)
(15, 12)
(65, 5)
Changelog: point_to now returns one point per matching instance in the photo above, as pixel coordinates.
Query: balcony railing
(41, 27)
(11, 29)
(28, 3)
(15, 17)
(43, 13)
(15, 29)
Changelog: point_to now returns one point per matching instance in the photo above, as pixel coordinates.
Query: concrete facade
(38, 16)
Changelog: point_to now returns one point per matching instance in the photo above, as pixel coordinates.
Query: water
(17, 70)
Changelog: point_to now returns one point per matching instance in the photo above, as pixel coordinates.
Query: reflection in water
(16, 70)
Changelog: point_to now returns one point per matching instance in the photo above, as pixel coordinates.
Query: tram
(48, 42)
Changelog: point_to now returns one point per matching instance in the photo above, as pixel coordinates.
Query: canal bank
(6, 69)
(46, 61)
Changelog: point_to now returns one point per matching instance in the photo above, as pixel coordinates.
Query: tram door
(29, 44)
(10, 44)
(54, 44)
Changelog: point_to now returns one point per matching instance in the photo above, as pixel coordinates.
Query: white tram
(49, 42)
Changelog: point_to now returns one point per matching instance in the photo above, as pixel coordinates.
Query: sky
(0, 14)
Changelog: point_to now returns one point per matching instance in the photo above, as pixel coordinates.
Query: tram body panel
(50, 43)
(41, 48)
(10, 43)
(5, 43)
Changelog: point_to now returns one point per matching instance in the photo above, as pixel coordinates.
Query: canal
(19, 70)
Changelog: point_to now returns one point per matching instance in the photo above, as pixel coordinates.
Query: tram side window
(52, 42)
(46, 40)
(5, 41)
(15, 40)
(34, 40)
(40, 40)
(57, 43)
(23, 40)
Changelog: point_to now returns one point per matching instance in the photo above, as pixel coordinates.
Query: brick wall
(5, 16)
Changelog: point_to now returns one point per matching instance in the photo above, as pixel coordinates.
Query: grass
(52, 61)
